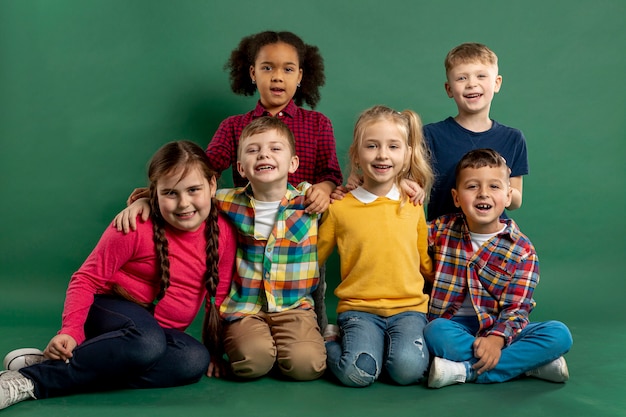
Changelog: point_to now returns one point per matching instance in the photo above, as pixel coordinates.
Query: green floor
(596, 388)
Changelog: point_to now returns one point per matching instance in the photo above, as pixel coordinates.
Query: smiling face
(382, 154)
(276, 72)
(472, 85)
(266, 159)
(483, 194)
(185, 203)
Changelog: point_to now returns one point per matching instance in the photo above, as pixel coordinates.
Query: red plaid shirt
(500, 278)
(315, 144)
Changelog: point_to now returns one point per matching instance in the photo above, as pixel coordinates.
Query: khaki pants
(291, 339)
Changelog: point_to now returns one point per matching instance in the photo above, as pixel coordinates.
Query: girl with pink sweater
(128, 305)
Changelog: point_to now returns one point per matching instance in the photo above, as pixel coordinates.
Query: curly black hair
(311, 62)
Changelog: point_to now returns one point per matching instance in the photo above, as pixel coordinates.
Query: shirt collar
(511, 230)
(366, 197)
(290, 194)
(289, 110)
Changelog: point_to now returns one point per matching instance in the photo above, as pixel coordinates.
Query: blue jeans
(125, 348)
(537, 344)
(371, 343)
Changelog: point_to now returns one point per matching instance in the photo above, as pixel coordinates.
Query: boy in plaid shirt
(486, 271)
(269, 312)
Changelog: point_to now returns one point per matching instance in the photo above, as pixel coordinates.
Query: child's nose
(183, 201)
(276, 75)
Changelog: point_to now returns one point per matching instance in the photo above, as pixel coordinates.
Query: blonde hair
(470, 52)
(417, 163)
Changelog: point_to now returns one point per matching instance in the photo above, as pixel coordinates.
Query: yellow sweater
(383, 254)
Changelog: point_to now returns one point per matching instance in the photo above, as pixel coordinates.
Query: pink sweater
(130, 261)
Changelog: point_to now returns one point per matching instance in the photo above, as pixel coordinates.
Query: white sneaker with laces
(555, 371)
(21, 358)
(444, 372)
(14, 387)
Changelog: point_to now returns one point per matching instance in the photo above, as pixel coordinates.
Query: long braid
(160, 244)
(212, 324)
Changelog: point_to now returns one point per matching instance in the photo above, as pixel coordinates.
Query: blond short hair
(470, 52)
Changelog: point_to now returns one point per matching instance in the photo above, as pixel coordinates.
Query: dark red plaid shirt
(315, 144)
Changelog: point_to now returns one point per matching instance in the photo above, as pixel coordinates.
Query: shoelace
(18, 390)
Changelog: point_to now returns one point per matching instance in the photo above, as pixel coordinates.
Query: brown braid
(160, 244)
(212, 325)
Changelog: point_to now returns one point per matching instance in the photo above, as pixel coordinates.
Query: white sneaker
(21, 358)
(14, 387)
(555, 371)
(331, 332)
(444, 372)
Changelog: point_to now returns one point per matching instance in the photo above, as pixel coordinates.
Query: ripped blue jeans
(370, 344)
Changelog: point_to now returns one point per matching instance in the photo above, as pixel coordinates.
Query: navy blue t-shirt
(448, 141)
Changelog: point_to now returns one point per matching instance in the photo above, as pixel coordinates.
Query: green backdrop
(90, 89)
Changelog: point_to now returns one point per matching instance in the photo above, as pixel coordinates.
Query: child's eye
(462, 78)
(276, 148)
(266, 67)
(251, 150)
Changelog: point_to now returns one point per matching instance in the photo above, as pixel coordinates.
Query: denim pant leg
(450, 339)
(123, 340)
(356, 360)
(537, 344)
(406, 358)
(184, 362)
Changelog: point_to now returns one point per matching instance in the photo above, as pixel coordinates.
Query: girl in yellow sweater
(382, 243)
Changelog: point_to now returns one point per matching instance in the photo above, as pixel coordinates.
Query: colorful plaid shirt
(500, 277)
(274, 274)
(315, 144)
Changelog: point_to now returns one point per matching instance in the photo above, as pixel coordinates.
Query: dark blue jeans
(125, 348)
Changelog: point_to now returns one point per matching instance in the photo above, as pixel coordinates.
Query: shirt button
(280, 114)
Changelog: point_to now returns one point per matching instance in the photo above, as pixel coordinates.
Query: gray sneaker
(21, 358)
(14, 387)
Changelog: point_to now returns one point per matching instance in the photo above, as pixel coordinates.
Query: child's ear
(240, 170)
(252, 76)
(446, 86)
(509, 197)
(498, 84)
(294, 164)
(213, 185)
(455, 198)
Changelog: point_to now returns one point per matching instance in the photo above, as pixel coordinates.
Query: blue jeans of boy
(537, 344)
(371, 343)
(125, 348)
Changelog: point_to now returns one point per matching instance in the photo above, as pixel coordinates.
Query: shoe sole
(14, 360)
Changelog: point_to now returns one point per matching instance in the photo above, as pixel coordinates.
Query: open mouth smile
(264, 168)
(186, 215)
